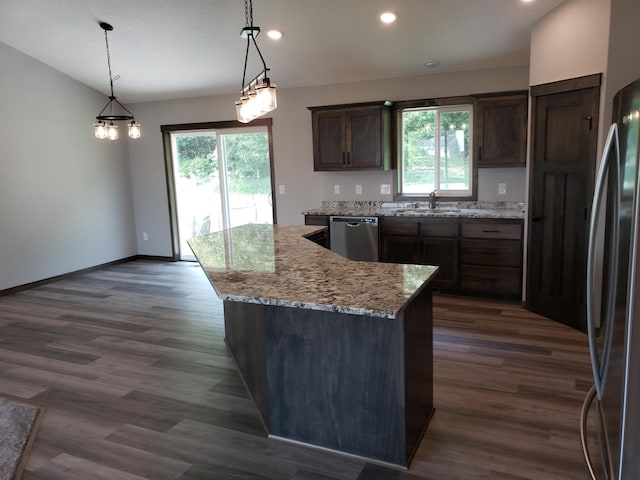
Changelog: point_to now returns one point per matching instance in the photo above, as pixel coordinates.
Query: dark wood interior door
(563, 158)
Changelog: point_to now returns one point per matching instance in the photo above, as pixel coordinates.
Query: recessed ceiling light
(432, 63)
(274, 34)
(388, 17)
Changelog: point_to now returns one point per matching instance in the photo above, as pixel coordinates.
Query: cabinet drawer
(439, 227)
(491, 229)
(398, 226)
(316, 220)
(493, 280)
(500, 253)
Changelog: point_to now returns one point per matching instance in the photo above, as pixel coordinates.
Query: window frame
(442, 104)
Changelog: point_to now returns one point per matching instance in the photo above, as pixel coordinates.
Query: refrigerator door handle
(609, 164)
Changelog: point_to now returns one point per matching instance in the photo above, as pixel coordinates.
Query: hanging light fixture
(113, 111)
(257, 96)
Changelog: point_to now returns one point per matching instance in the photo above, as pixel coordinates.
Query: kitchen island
(335, 353)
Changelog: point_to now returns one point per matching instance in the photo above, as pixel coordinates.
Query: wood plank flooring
(130, 363)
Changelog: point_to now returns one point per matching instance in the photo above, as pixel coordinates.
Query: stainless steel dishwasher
(355, 238)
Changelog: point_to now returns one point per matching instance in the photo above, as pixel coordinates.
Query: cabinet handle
(344, 159)
(348, 159)
(480, 154)
(490, 231)
(536, 218)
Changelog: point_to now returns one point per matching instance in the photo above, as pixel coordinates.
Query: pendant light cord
(248, 21)
(106, 41)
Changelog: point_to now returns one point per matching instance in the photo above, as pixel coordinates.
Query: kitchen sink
(434, 211)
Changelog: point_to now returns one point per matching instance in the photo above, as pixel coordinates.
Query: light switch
(358, 189)
(281, 189)
(385, 189)
(336, 189)
(502, 189)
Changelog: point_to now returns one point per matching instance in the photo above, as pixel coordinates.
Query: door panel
(221, 178)
(563, 157)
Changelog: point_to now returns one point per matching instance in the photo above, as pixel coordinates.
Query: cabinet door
(501, 131)
(328, 140)
(363, 135)
(442, 252)
(400, 249)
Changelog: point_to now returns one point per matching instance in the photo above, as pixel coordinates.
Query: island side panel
(418, 330)
(245, 334)
(337, 381)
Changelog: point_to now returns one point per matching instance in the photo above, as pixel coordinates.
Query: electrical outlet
(281, 189)
(336, 189)
(145, 236)
(385, 189)
(358, 189)
(502, 189)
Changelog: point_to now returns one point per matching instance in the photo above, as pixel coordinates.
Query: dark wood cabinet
(352, 137)
(491, 256)
(500, 130)
(316, 220)
(475, 255)
(321, 238)
(432, 241)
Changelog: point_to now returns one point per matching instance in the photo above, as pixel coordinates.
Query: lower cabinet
(480, 256)
(322, 238)
(421, 241)
(491, 256)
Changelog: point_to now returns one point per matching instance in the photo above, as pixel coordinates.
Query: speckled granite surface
(276, 265)
(421, 209)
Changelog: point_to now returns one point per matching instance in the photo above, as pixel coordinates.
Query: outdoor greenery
(197, 157)
(420, 157)
(248, 172)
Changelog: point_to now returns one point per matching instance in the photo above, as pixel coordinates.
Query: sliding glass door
(221, 179)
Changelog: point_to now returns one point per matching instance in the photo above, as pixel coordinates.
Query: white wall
(65, 198)
(293, 145)
(624, 61)
(573, 41)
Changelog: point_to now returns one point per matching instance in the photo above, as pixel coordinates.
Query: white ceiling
(165, 49)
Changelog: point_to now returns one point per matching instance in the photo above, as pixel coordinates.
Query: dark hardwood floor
(130, 363)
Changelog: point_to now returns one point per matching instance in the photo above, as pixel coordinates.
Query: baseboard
(45, 281)
(155, 258)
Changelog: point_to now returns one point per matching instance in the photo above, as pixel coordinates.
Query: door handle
(599, 364)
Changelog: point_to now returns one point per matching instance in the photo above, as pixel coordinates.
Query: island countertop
(277, 265)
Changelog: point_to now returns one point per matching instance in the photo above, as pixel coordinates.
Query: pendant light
(113, 111)
(257, 96)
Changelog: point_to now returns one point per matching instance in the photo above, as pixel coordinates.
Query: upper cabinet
(352, 137)
(500, 126)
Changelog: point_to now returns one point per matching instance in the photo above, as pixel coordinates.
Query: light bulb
(112, 131)
(100, 130)
(134, 129)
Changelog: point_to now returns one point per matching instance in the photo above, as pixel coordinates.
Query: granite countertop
(277, 265)
(512, 210)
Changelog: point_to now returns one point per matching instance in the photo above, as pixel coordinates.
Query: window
(435, 151)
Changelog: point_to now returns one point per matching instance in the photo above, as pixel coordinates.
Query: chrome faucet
(433, 199)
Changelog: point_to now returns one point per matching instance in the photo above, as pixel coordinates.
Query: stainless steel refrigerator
(613, 403)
